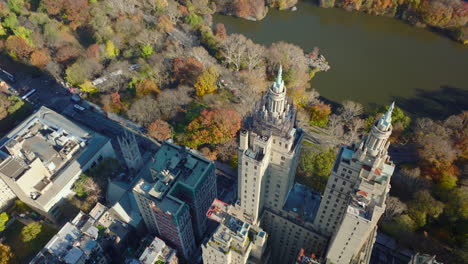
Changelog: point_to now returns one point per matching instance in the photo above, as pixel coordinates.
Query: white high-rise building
(355, 195)
(268, 152)
(341, 225)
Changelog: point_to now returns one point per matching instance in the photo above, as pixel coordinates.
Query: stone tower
(130, 151)
(268, 152)
(354, 198)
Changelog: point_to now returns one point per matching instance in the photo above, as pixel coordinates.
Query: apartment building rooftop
(172, 165)
(158, 251)
(45, 152)
(234, 233)
(70, 245)
(302, 201)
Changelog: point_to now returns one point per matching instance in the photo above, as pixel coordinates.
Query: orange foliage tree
(319, 114)
(160, 130)
(18, 47)
(66, 53)
(213, 127)
(220, 31)
(146, 87)
(165, 23)
(186, 70)
(40, 58)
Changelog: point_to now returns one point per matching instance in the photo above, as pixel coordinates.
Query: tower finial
(386, 120)
(278, 85)
(279, 78)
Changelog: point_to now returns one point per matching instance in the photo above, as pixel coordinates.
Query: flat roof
(62, 147)
(303, 201)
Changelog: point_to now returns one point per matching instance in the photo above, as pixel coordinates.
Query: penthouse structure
(42, 157)
(75, 243)
(234, 241)
(174, 201)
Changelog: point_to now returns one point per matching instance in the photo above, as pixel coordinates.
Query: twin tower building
(339, 226)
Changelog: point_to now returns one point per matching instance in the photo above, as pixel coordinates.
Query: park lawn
(25, 251)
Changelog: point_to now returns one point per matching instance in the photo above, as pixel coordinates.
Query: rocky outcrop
(281, 4)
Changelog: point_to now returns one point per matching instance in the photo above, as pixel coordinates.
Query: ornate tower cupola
(377, 141)
(277, 97)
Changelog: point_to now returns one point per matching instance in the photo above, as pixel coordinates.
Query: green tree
(423, 206)
(3, 31)
(10, 22)
(206, 82)
(402, 224)
(16, 5)
(31, 231)
(314, 168)
(16, 103)
(194, 20)
(5, 254)
(3, 220)
(147, 50)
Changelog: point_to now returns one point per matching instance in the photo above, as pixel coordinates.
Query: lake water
(374, 59)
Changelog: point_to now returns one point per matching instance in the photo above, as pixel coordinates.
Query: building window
(283, 158)
(333, 186)
(246, 163)
(255, 167)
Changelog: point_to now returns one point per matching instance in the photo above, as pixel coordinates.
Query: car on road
(79, 108)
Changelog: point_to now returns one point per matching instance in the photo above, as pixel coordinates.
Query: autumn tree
(172, 101)
(5, 254)
(319, 114)
(394, 207)
(31, 231)
(165, 24)
(66, 54)
(186, 70)
(206, 82)
(160, 130)
(144, 111)
(233, 50)
(239, 51)
(40, 58)
(18, 47)
(294, 62)
(213, 127)
(350, 109)
(220, 31)
(146, 87)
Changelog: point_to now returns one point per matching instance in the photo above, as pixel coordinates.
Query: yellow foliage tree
(206, 82)
(111, 50)
(88, 87)
(5, 254)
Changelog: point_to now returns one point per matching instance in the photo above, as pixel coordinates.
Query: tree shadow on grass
(25, 251)
(440, 104)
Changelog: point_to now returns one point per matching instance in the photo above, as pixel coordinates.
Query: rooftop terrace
(44, 152)
(157, 250)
